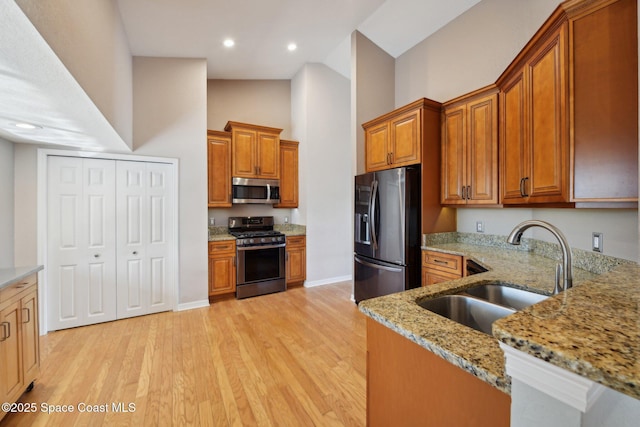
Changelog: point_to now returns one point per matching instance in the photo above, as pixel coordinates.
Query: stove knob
(251, 241)
(273, 239)
(263, 240)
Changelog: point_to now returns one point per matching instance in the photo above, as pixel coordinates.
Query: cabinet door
(376, 147)
(482, 151)
(453, 156)
(11, 377)
(222, 274)
(288, 175)
(548, 122)
(243, 156)
(219, 171)
(405, 139)
(296, 260)
(513, 143)
(30, 336)
(268, 155)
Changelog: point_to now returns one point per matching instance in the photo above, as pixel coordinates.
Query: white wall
(321, 103)
(170, 120)
(89, 38)
(6, 204)
(472, 51)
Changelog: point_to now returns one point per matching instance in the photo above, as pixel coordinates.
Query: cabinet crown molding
(230, 125)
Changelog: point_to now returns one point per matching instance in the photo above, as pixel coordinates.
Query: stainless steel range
(261, 256)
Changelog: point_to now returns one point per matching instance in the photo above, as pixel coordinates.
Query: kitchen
(397, 82)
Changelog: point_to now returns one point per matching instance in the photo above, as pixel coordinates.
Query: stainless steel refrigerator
(387, 232)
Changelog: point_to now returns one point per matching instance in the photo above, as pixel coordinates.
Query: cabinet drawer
(223, 246)
(17, 287)
(442, 262)
(296, 241)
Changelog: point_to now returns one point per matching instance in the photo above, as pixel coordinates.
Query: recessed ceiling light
(228, 42)
(28, 126)
(292, 46)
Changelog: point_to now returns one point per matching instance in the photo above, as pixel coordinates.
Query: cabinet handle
(522, 186)
(464, 192)
(439, 261)
(6, 331)
(468, 192)
(28, 315)
(391, 158)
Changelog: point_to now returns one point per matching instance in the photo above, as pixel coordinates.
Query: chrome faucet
(564, 270)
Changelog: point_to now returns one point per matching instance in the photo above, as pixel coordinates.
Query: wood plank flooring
(296, 358)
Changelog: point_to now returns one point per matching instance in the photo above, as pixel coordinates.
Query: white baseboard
(192, 305)
(329, 281)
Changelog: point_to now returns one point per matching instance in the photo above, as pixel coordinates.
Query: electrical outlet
(212, 221)
(286, 220)
(479, 226)
(596, 241)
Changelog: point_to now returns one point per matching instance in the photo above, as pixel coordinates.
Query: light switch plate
(596, 241)
(479, 226)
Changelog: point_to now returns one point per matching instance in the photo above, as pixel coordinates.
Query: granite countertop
(217, 234)
(531, 267)
(14, 274)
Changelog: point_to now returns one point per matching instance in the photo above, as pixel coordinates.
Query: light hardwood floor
(288, 359)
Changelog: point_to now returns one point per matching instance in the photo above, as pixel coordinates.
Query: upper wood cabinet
(470, 149)
(569, 109)
(534, 137)
(288, 174)
(255, 150)
(219, 169)
(395, 139)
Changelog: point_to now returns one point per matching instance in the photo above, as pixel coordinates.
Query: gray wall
(89, 38)
(259, 102)
(472, 51)
(372, 87)
(320, 115)
(6, 204)
(172, 122)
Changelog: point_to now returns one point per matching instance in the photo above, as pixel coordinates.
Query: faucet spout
(515, 238)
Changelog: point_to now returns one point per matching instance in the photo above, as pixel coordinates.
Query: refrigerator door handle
(401, 201)
(372, 213)
(377, 266)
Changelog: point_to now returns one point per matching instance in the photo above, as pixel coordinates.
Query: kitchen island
(532, 267)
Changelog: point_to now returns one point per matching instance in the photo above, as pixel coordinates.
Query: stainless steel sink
(506, 296)
(472, 312)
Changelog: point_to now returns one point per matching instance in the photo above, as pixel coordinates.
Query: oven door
(260, 270)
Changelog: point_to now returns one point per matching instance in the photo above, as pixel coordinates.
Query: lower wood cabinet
(19, 339)
(222, 267)
(441, 267)
(408, 385)
(296, 260)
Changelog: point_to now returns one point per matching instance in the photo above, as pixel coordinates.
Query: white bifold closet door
(81, 242)
(109, 240)
(144, 238)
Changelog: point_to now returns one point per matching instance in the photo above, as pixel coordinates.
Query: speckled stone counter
(473, 351)
(592, 330)
(13, 274)
(291, 229)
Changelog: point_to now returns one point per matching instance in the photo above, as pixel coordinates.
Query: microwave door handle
(268, 193)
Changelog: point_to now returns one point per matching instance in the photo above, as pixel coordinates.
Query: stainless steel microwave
(255, 190)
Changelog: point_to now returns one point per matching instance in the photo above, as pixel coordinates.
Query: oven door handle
(255, 248)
